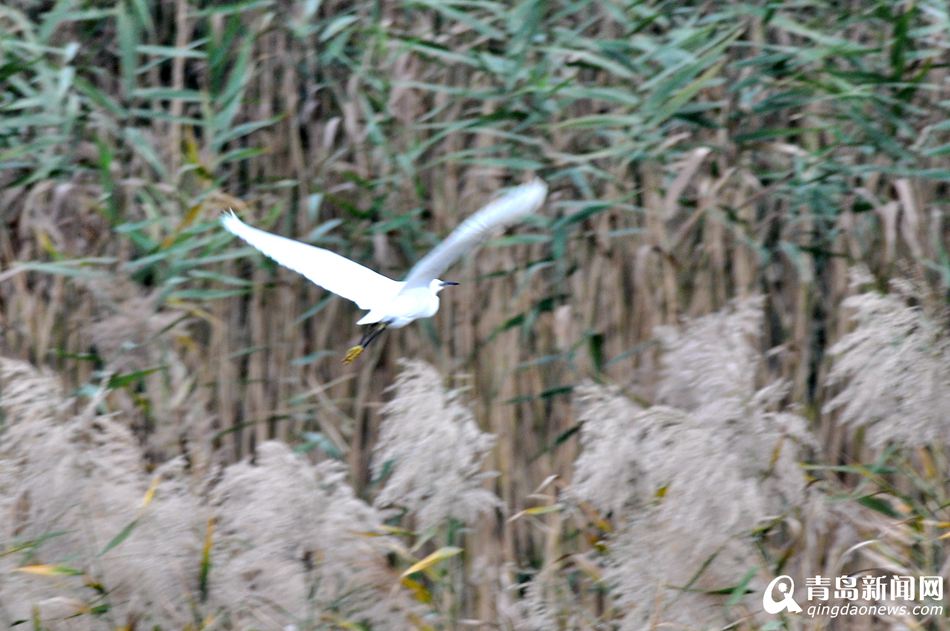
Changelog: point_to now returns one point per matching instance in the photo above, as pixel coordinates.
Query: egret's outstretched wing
(323, 267)
(513, 205)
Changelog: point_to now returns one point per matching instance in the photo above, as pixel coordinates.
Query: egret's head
(438, 285)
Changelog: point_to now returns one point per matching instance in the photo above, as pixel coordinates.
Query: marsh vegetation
(719, 355)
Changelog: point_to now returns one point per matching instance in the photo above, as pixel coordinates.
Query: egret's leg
(372, 332)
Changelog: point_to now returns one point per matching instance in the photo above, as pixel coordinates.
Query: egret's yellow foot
(352, 354)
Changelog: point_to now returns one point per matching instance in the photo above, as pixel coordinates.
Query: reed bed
(746, 240)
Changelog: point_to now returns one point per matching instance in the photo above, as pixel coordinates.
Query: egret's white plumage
(325, 268)
(390, 302)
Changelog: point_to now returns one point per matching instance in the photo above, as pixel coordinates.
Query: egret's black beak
(446, 283)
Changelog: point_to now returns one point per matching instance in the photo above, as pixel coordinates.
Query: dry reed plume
(679, 345)
(85, 533)
(430, 452)
(692, 482)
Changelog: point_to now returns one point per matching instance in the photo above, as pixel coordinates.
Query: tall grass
(695, 154)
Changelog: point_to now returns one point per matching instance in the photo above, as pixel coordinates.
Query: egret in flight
(391, 303)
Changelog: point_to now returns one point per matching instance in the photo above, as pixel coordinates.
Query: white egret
(391, 303)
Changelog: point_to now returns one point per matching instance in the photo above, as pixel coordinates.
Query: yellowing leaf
(49, 570)
(367, 533)
(186, 221)
(343, 623)
(205, 567)
(419, 591)
(47, 244)
(150, 493)
(393, 530)
(776, 453)
(536, 510)
(191, 147)
(193, 154)
(930, 469)
(439, 555)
